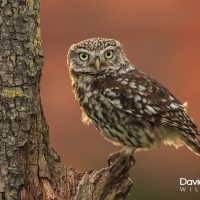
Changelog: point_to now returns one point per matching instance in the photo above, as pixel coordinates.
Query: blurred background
(161, 38)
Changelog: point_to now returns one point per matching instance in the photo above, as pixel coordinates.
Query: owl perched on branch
(127, 106)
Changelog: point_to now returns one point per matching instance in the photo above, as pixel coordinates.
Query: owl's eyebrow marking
(82, 50)
(109, 48)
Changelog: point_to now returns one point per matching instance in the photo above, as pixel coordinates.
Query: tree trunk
(29, 168)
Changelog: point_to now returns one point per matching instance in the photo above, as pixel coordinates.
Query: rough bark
(29, 168)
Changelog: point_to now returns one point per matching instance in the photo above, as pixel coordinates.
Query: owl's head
(96, 56)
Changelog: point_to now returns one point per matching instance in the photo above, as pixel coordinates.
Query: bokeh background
(162, 38)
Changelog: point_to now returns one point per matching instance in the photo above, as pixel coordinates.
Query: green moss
(37, 42)
(12, 193)
(30, 3)
(12, 92)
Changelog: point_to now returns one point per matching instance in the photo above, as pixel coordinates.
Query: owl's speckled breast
(112, 123)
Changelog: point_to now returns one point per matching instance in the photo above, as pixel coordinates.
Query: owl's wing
(138, 94)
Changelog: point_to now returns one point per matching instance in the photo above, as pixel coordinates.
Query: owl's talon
(112, 157)
(123, 162)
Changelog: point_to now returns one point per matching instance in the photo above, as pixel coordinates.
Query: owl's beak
(97, 63)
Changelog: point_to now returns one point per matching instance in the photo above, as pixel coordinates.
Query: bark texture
(29, 168)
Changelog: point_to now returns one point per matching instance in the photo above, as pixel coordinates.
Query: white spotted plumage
(126, 105)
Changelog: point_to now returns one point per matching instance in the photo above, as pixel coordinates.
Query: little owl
(127, 106)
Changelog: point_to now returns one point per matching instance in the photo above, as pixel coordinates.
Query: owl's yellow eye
(108, 54)
(83, 56)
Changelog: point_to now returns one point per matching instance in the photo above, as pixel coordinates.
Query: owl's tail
(192, 143)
